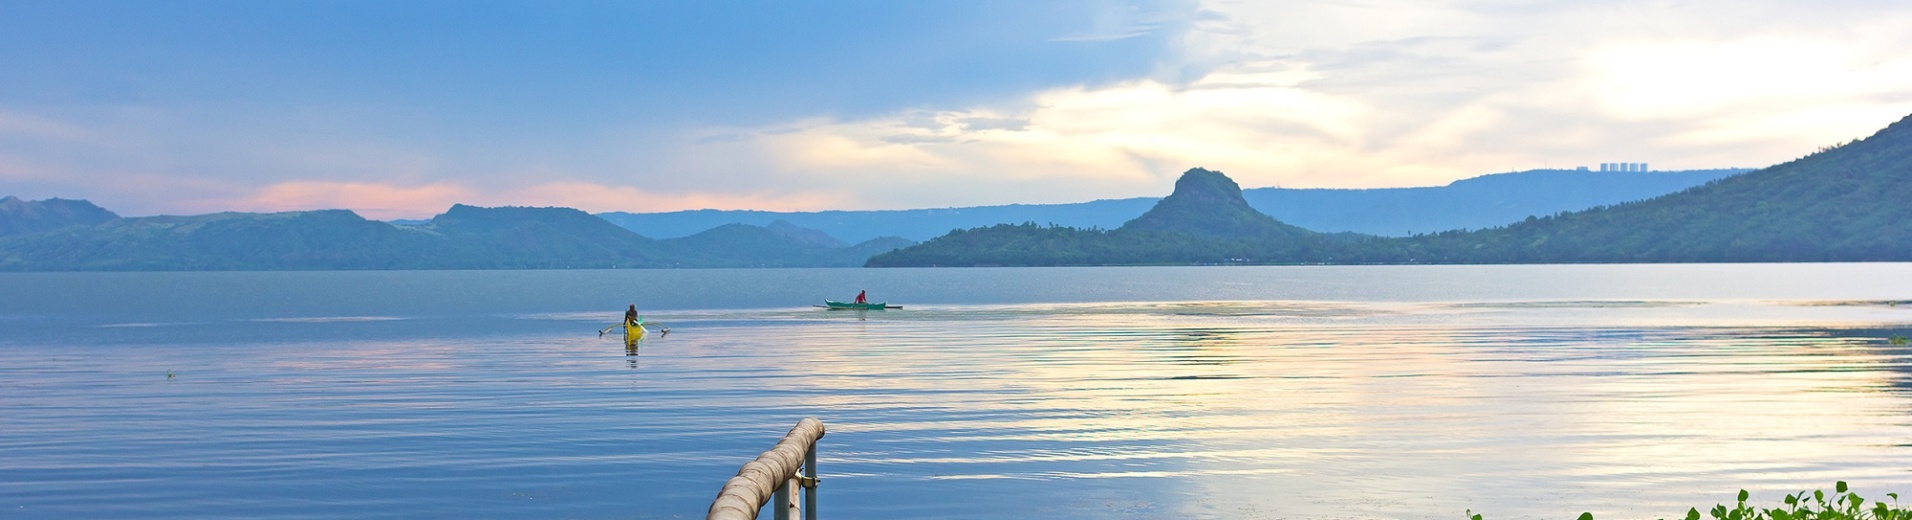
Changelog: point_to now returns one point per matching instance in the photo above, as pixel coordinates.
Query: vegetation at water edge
(1842, 504)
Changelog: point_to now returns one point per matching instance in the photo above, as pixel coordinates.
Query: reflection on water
(1250, 409)
(1349, 409)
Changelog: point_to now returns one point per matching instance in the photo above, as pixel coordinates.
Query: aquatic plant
(1898, 341)
(1842, 504)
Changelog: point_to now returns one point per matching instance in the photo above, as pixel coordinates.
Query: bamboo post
(772, 474)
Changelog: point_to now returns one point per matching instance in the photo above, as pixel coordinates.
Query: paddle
(661, 330)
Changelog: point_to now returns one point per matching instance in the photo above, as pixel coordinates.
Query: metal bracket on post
(808, 482)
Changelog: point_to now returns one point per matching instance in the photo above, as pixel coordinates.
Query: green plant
(1842, 504)
(1898, 341)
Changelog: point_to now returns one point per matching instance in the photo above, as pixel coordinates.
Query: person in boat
(630, 315)
(860, 298)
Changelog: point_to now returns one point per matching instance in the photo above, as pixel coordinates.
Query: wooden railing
(791, 464)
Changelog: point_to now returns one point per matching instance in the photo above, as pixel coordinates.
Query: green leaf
(1743, 495)
(1586, 516)
(1840, 487)
(1692, 514)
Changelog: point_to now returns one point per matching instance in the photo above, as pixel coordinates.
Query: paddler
(860, 298)
(630, 316)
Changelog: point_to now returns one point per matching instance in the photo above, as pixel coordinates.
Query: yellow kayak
(633, 332)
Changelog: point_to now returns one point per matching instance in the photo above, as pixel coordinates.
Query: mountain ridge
(464, 237)
(1839, 204)
(18, 216)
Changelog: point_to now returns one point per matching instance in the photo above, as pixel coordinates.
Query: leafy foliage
(1842, 504)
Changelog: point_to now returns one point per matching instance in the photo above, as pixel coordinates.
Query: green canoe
(842, 306)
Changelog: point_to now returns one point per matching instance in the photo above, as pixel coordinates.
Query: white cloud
(1399, 93)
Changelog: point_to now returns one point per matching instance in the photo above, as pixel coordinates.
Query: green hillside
(1849, 203)
(332, 239)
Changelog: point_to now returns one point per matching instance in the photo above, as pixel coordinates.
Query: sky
(400, 109)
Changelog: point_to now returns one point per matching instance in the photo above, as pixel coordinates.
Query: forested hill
(1204, 221)
(1205, 202)
(1849, 203)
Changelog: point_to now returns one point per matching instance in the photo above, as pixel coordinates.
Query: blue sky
(400, 109)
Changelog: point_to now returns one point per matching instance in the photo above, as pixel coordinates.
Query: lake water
(1170, 392)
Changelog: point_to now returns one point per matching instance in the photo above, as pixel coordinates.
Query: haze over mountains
(1479, 202)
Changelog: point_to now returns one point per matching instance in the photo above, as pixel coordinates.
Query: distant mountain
(541, 238)
(1842, 204)
(1205, 202)
(1204, 221)
(803, 235)
(1479, 202)
(744, 245)
(464, 237)
(22, 216)
(915, 224)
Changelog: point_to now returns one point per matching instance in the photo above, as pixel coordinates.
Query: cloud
(1389, 93)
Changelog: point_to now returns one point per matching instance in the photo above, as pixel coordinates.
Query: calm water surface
(1276, 392)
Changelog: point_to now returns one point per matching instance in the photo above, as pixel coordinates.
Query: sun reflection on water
(1336, 404)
